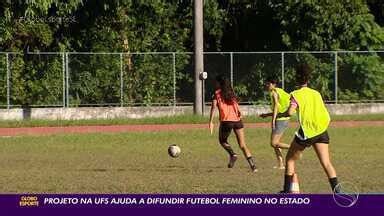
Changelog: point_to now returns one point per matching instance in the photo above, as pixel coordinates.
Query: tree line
(157, 25)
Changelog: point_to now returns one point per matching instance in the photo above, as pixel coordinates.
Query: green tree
(154, 26)
(328, 25)
(104, 26)
(377, 9)
(361, 77)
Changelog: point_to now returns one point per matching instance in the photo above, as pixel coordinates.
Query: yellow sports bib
(313, 115)
(284, 101)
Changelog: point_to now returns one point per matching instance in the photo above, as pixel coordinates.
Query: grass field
(187, 119)
(137, 162)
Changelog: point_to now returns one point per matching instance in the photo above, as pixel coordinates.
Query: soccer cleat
(232, 160)
(254, 168)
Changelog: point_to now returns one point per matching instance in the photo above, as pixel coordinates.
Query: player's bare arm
(212, 113)
(275, 108)
(290, 111)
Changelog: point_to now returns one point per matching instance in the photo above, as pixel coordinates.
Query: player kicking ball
(279, 104)
(230, 119)
(314, 120)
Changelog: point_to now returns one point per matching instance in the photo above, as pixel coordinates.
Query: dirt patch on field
(7, 132)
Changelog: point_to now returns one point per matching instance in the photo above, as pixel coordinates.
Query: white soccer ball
(174, 151)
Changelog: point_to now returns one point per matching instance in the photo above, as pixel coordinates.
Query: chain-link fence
(3, 80)
(149, 79)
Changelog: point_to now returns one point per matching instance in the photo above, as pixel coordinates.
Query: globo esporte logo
(346, 194)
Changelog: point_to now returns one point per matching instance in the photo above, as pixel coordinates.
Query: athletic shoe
(254, 168)
(232, 160)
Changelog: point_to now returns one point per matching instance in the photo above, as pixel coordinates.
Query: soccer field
(137, 162)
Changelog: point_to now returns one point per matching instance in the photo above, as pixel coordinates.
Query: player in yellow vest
(279, 104)
(314, 120)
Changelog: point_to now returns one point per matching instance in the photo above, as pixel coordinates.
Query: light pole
(199, 56)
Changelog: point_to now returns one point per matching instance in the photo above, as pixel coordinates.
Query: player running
(279, 104)
(230, 118)
(314, 120)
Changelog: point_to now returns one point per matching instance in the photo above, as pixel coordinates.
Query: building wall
(142, 112)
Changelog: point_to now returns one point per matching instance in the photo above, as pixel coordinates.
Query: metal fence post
(8, 82)
(121, 80)
(282, 71)
(174, 78)
(335, 77)
(63, 68)
(231, 68)
(67, 79)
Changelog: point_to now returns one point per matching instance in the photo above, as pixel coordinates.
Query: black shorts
(321, 138)
(226, 128)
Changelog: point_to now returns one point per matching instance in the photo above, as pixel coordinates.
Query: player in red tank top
(230, 118)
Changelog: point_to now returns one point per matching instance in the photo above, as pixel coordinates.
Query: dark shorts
(226, 128)
(321, 138)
